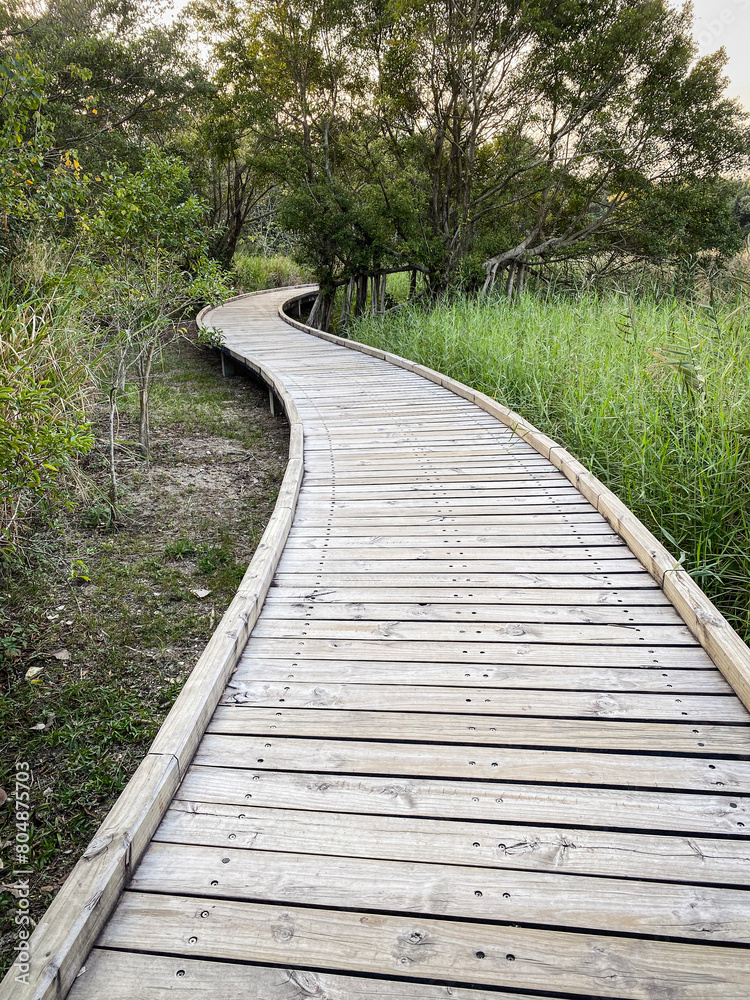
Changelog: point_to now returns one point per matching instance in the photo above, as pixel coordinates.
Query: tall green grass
(255, 271)
(653, 397)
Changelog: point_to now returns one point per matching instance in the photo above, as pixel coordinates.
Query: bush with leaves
(142, 266)
(44, 381)
(38, 183)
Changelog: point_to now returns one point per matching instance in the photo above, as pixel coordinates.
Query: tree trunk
(314, 311)
(361, 299)
(330, 303)
(347, 304)
(489, 283)
(511, 279)
(144, 378)
(112, 467)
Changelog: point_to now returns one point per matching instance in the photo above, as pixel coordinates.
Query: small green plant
(211, 336)
(211, 557)
(13, 643)
(79, 572)
(180, 548)
(100, 515)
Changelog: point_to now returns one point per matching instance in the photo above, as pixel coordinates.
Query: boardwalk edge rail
(67, 931)
(725, 647)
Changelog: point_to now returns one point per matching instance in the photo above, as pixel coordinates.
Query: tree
(538, 123)
(236, 192)
(523, 131)
(117, 78)
(36, 182)
(143, 264)
(741, 206)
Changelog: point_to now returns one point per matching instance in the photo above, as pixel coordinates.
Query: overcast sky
(727, 23)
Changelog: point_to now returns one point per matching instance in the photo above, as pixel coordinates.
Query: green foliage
(141, 266)
(255, 272)
(418, 134)
(24, 136)
(44, 380)
(678, 220)
(211, 336)
(35, 181)
(118, 77)
(741, 206)
(144, 243)
(654, 399)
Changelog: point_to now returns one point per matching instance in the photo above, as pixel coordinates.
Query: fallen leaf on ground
(40, 726)
(3, 796)
(200, 593)
(33, 672)
(61, 654)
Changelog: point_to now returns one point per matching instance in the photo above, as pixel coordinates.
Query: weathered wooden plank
(489, 701)
(311, 562)
(463, 596)
(677, 812)
(565, 537)
(519, 554)
(614, 634)
(521, 480)
(421, 582)
(624, 906)
(525, 848)
(343, 608)
(515, 492)
(485, 519)
(123, 975)
(430, 505)
(447, 950)
(636, 679)
(434, 760)
(541, 654)
(507, 533)
(691, 738)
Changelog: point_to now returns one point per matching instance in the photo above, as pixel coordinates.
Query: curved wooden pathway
(470, 749)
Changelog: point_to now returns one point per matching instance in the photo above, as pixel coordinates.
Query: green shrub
(44, 381)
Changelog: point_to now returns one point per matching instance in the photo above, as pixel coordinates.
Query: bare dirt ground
(97, 639)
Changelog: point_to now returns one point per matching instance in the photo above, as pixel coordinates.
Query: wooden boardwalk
(470, 749)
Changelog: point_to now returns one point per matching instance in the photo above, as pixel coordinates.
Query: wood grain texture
(438, 889)
(336, 756)
(423, 948)
(681, 813)
(486, 730)
(117, 975)
(554, 849)
(477, 737)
